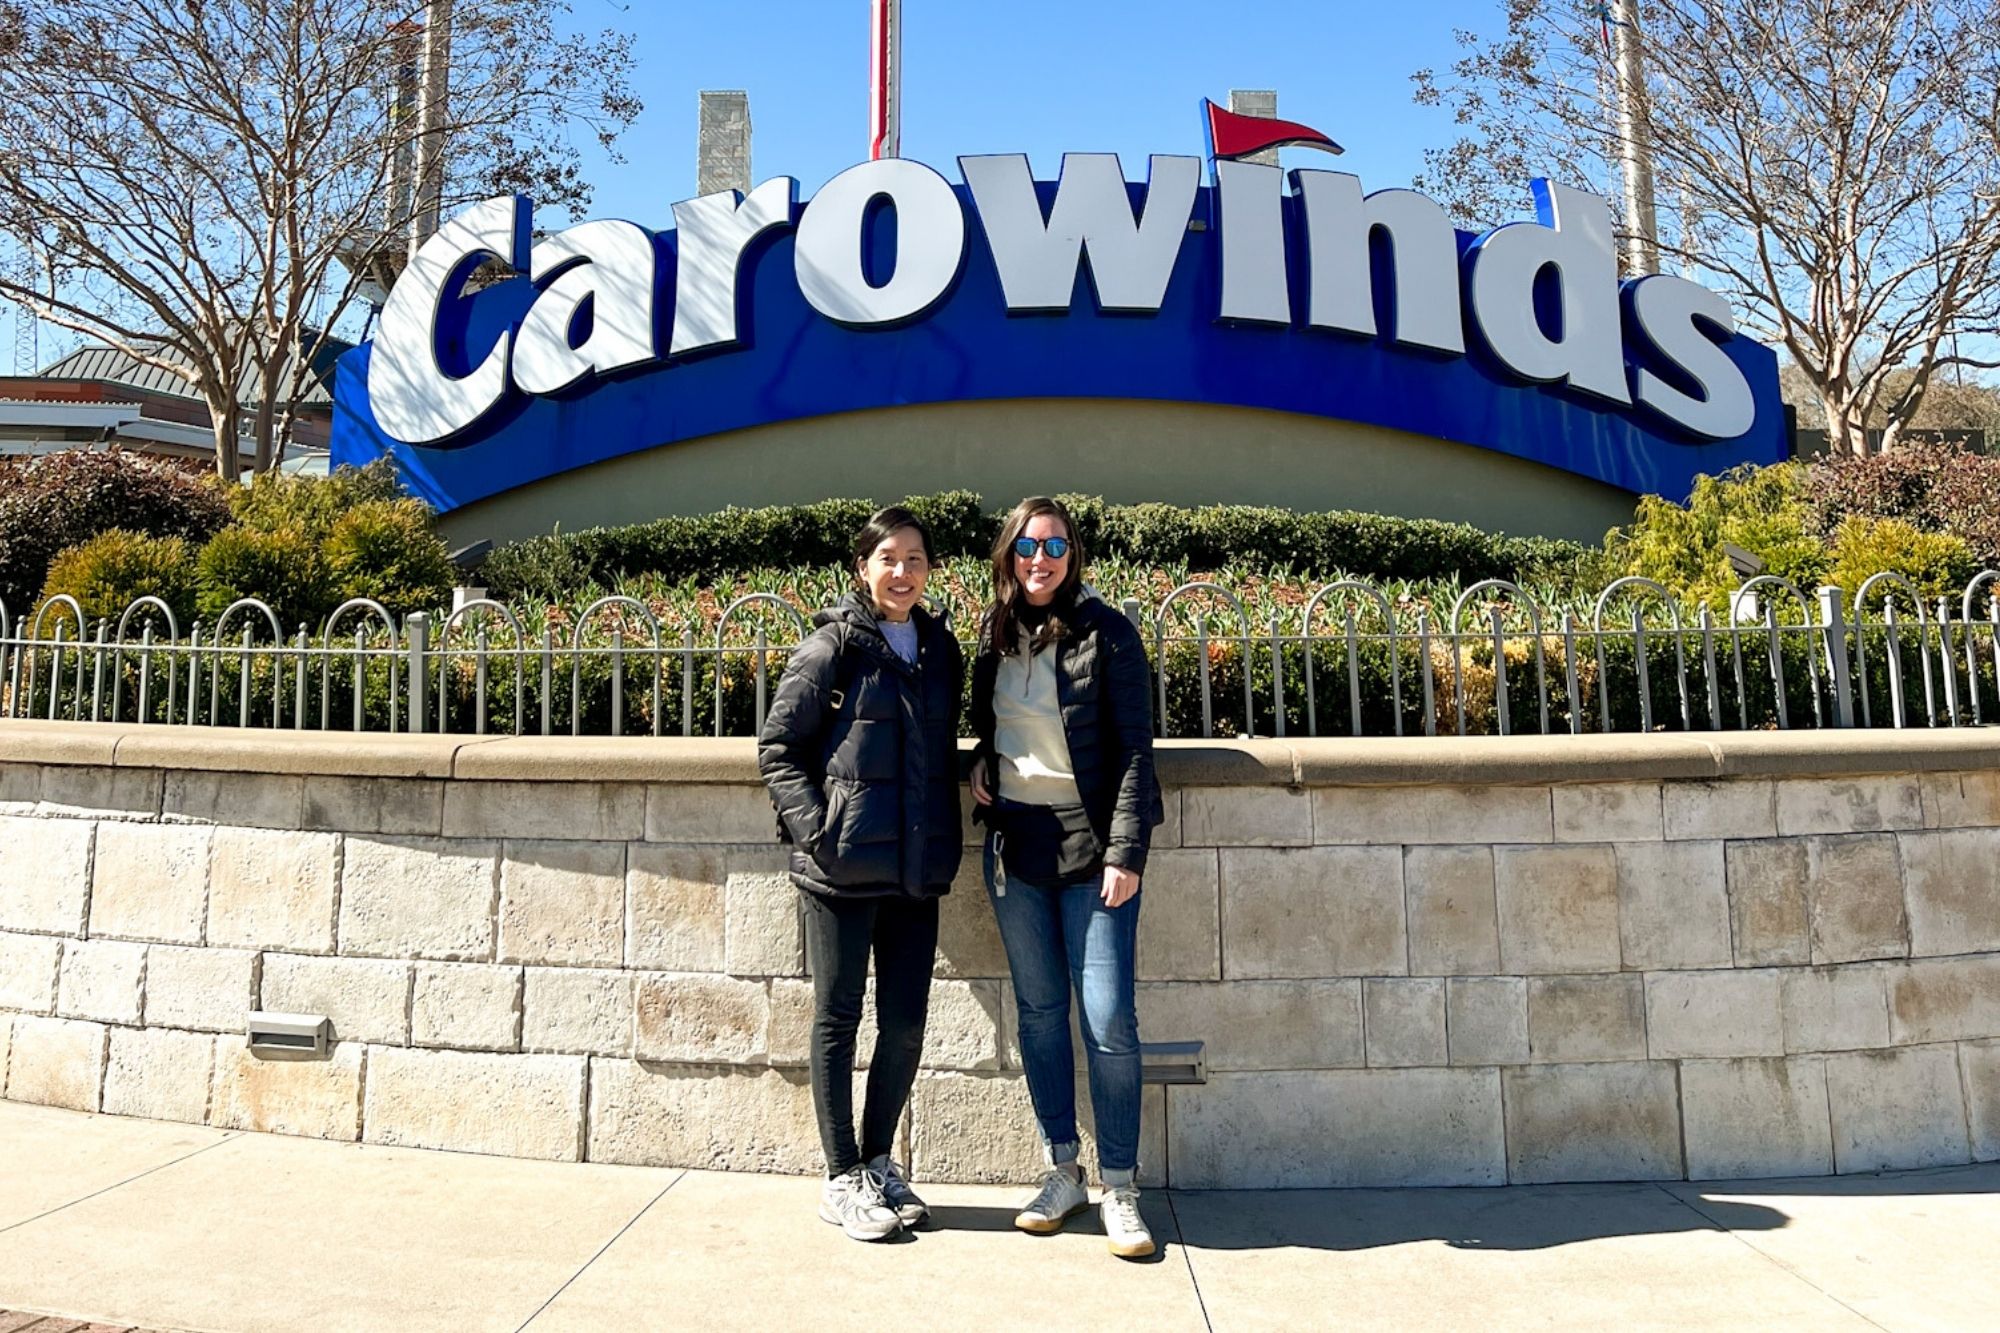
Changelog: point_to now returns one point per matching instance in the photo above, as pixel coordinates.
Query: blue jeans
(1056, 939)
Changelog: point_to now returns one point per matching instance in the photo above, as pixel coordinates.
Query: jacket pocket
(826, 845)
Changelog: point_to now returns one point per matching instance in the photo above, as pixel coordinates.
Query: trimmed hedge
(1242, 537)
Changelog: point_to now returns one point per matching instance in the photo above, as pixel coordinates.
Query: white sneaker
(896, 1191)
(1123, 1226)
(853, 1202)
(1061, 1194)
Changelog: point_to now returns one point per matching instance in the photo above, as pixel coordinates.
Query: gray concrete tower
(1256, 102)
(723, 146)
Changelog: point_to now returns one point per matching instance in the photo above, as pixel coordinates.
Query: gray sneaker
(1123, 1226)
(853, 1202)
(897, 1193)
(1061, 1194)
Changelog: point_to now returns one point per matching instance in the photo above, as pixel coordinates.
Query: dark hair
(1007, 595)
(879, 527)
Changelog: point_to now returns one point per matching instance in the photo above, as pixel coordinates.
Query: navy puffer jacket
(860, 754)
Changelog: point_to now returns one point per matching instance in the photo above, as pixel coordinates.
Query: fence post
(1833, 619)
(417, 627)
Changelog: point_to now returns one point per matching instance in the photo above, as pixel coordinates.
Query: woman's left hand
(1120, 886)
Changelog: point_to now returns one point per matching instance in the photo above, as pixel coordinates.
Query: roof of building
(99, 362)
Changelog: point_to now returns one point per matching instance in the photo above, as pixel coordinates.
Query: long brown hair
(1007, 595)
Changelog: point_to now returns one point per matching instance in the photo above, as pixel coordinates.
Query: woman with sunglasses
(860, 753)
(1063, 778)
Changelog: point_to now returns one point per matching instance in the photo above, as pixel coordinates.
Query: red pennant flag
(1231, 135)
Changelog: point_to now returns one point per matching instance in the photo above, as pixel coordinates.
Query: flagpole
(1635, 140)
(885, 80)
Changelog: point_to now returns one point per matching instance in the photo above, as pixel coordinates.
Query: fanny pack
(1046, 845)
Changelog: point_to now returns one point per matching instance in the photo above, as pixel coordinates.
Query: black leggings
(840, 933)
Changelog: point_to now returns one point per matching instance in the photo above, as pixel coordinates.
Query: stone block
(1167, 833)
(1592, 1122)
(1854, 898)
(510, 1105)
(1755, 1118)
(150, 882)
(1453, 929)
(159, 1074)
(407, 807)
(1180, 918)
(1403, 1018)
(1706, 811)
(789, 1034)
(45, 874)
(1486, 1020)
(562, 902)
(762, 936)
(1609, 812)
(674, 908)
(1673, 905)
(981, 1128)
(586, 811)
(20, 788)
(419, 897)
(1256, 1025)
(1894, 1110)
(1466, 814)
(247, 800)
(1363, 816)
(1980, 1063)
(6, 1047)
(1557, 909)
(1574, 1020)
(318, 1099)
(702, 812)
(273, 889)
(1944, 999)
(466, 1007)
(1835, 1008)
(1767, 902)
(56, 1062)
(1849, 805)
(577, 1011)
(28, 969)
(1313, 912)
(970, 1027)
(77, 791)
(707, 1118)
(695, 1018)
(1951, 884)
(1339, 1129)
(1245, 817)
(1961, 800)
(103, 980)
(208, 990)
(969, 938)
(1713, 1015)
(367, 999)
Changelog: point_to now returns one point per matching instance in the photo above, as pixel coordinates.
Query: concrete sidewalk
(179, 1227)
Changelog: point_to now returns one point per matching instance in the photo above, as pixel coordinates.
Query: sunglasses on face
(1054, 547)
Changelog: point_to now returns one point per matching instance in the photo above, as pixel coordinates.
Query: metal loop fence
(1350, 660)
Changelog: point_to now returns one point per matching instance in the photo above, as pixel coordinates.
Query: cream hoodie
(1028, 729)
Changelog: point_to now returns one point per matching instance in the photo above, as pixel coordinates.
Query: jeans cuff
(1111, 1179)
(1062, 1154)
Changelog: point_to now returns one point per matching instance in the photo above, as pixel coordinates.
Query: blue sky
(1034, 76)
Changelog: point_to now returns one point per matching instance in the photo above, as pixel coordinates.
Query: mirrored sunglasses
(1054, 547)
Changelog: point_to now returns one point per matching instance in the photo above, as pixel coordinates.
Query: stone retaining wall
(1413, 962)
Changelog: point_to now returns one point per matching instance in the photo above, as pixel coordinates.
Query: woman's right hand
(980, 793)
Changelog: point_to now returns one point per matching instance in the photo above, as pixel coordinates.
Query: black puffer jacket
(1105, 690)
(860, 753)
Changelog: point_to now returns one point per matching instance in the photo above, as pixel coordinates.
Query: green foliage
(1762, 510)
(54, 501)
(385, 549)
(275, 501)
(280, 567)
(114, 569)
(1242, 537)
(1935, 487)
(1935, 563)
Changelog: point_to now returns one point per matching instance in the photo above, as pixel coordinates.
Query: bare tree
(1832, 165)
(189, 175)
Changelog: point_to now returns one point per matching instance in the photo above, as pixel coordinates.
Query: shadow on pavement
(1980, 1178)
(1511, 1218)
(963, 1217)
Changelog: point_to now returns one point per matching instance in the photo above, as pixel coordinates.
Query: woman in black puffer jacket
(860, 754)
